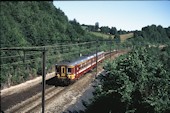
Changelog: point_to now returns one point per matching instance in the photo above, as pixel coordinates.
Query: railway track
(32, 97)
(16, 101)
(33, 103)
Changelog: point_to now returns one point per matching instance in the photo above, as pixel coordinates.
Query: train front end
(64, 73)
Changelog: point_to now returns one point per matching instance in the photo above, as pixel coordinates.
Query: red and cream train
(67, 72)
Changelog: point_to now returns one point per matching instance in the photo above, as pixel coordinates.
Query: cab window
(57, 69)
(69, 70)
(63, 70)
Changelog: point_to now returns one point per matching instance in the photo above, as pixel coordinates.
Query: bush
(137, 82)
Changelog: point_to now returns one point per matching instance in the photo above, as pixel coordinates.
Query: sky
(125, 15)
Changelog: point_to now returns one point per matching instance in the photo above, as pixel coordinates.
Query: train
(69, 72)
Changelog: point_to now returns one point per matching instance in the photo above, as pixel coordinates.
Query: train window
(89, 62)
(69, 70)
(63, 70)
(57, 69)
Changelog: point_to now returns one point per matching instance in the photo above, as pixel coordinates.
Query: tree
(134, 83)
(96, 26)
(37, 24)
(154, 34)
(117, 39)
(77, 27)
(168, 32)
(105, 29)
(113, 31)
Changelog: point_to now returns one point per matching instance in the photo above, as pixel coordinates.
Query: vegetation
(37, 24)
(99, 34)
(152, 35)
(103, 29)
(124, 37)
(137, 82)
(134, 83)
(30, 24)
(117, 39)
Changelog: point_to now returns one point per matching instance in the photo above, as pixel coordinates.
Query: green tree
(168, 31)
(134, 83)
(105, 29)
(117, 39)
(113, 31)
(96, 26)
(32, 24)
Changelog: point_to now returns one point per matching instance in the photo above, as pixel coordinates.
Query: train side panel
(73, 72)
(88, 65)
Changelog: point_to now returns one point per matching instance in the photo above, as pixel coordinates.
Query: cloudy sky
(126, 15)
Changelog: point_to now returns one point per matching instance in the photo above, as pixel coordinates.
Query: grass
(106, 36)
(126, 36)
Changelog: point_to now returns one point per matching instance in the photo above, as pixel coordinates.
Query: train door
(63, 71)
(77, 71)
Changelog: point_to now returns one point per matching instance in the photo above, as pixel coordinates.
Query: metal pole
(79, 48)
(110, 47)
(25, 64)
(96, 56)
(43, 80)
(61, 47)
(24, 57)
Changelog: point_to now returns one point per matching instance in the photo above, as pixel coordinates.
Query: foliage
(134, 83)
(96, 26)
(105, 29)
(117, 39)
(101, 35)
(113, 31)
(37, 24)
(124, 37)
(30, 24)
(153, 34)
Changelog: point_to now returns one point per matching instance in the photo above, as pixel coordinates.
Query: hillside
(41, 23)
(99, 34)
(136, 82)
(150, 35)
(35, 24)
(123, 37)
(32, 24)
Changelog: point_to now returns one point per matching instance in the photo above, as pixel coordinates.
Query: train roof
(79, 60)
